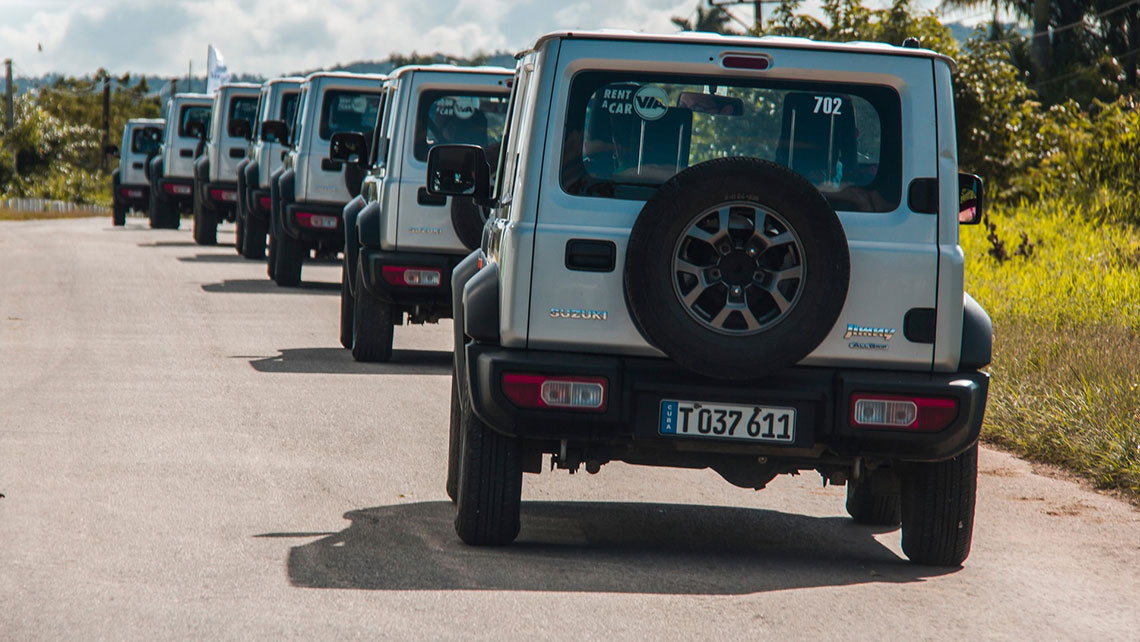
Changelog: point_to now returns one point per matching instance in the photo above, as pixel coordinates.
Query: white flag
(217, 74)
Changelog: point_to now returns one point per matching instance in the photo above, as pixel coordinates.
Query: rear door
(138, 146)
(240, 104)
(617, 133)
(341, 105)
(180, 158)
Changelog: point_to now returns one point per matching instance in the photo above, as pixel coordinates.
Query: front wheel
(454, 441)
(938, 509)
(347, 308)
(489, 489)
(372, 325)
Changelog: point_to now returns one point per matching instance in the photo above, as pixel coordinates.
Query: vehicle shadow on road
(601, 547)
(265, 286)
(169, 244)
(340, 361)
(217, 258)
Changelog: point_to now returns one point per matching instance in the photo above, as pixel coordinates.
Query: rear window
(460, 118)
(145, 140)
(349, 111)
(190, 114)
(244, 108)
(626, 134)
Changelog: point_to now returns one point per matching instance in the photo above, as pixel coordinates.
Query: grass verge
(16, 215)
(1064, 294)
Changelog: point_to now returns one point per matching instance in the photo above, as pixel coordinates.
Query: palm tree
(714, 19)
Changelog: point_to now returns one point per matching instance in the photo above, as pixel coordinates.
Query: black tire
(205, 221)
(290, 256)
(453, 441)
(253, 238)
(468, 219)
(874, 499)
(347, 307)
(799, 230)
(373, 324)
(938, 509)
(119, 214)
(163, 214)
(489, 489)
(239, 234)
(274, 232)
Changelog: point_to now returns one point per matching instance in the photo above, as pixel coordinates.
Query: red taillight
(316, 221)
(898, 412)
(555, 391)
(739, 61)
(419, 277)
(223, 195)
(266, 202)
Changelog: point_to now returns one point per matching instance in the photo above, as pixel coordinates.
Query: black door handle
(433, 200)
(137, 165)
(237, 152)
(186, 153)
(588, 255)
(330, 165)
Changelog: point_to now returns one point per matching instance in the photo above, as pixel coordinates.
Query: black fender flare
(351, 245)
(368, 229)
(463, 272)
(201, 177)
(250, 174)
(977, 335)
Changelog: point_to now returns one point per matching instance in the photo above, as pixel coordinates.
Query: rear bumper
(134, 196)
(327, 236)
(220, 195)
(637, 386)
(373, 262)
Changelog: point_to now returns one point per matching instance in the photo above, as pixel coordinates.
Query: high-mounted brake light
(897, 412)
(555, 391)
(419, 277)
(316, 221)
(746, 61)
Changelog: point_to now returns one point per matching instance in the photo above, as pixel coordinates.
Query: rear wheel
(874, 499)
(453, 440)
(205, 222)
(239, 226)
(290, 255)
(119, 214)
(938, 509)
(489, 489)
(372, 325)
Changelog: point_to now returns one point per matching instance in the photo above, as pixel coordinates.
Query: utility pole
(757, 11)
(1040, 38)
(9, 106)
(189, 72)
(106, 117)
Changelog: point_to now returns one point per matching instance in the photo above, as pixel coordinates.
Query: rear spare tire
(736, 268)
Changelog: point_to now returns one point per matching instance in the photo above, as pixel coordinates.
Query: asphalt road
(187, 453)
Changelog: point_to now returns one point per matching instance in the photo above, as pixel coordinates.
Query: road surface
(187, 453)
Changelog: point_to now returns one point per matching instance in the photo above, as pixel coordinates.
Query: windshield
(190, 114)
(460, 118)
(349, 111)
(145, 140)
(626, 134)
(244, 108)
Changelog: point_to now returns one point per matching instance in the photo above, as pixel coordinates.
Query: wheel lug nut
(736, 290)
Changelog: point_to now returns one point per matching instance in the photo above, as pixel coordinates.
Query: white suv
(215, 171)
(171, 171)
(277, 102)
(311, 189)
(728, 253)
(129, 186)
(401, 243)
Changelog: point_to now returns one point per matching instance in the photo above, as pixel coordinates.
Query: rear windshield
(145, 140)
(289, 108)
(349, 111)
(244, 108)
(626, 134)
(460, 118)
(193, 113)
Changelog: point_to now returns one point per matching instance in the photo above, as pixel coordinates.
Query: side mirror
(274, 131)
(239, 128)
(459, 170)
(971, 199)
(350, 147)
(111, 150)
(196, 128)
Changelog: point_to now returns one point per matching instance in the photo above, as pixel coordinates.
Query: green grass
(15, 215)
(1064, 295)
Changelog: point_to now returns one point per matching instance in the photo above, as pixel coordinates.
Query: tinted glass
(452, 118)
(349, 111)
(193, 113)
(244, 108)
(145, 140)
(289, 108)
(626, 134)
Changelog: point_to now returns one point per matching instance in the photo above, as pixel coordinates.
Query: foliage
(711, 19)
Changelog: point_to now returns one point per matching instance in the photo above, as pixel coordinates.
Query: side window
(509, 155)
(296, 132)
(260, 115)
(377, 131)
(288, 108)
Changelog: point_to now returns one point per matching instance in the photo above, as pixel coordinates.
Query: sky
(273, 37)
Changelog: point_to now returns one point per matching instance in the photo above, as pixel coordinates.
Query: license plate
(133, 193)
(180, 189)
(229, 196)
(727, 421)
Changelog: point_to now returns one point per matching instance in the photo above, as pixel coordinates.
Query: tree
(713, 19)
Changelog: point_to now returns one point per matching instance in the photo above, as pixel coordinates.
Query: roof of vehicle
(442, 68)
(194, 96)
(344, 75)
(291, 80)
(767, 42)
(240, 85)
(146, 121)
